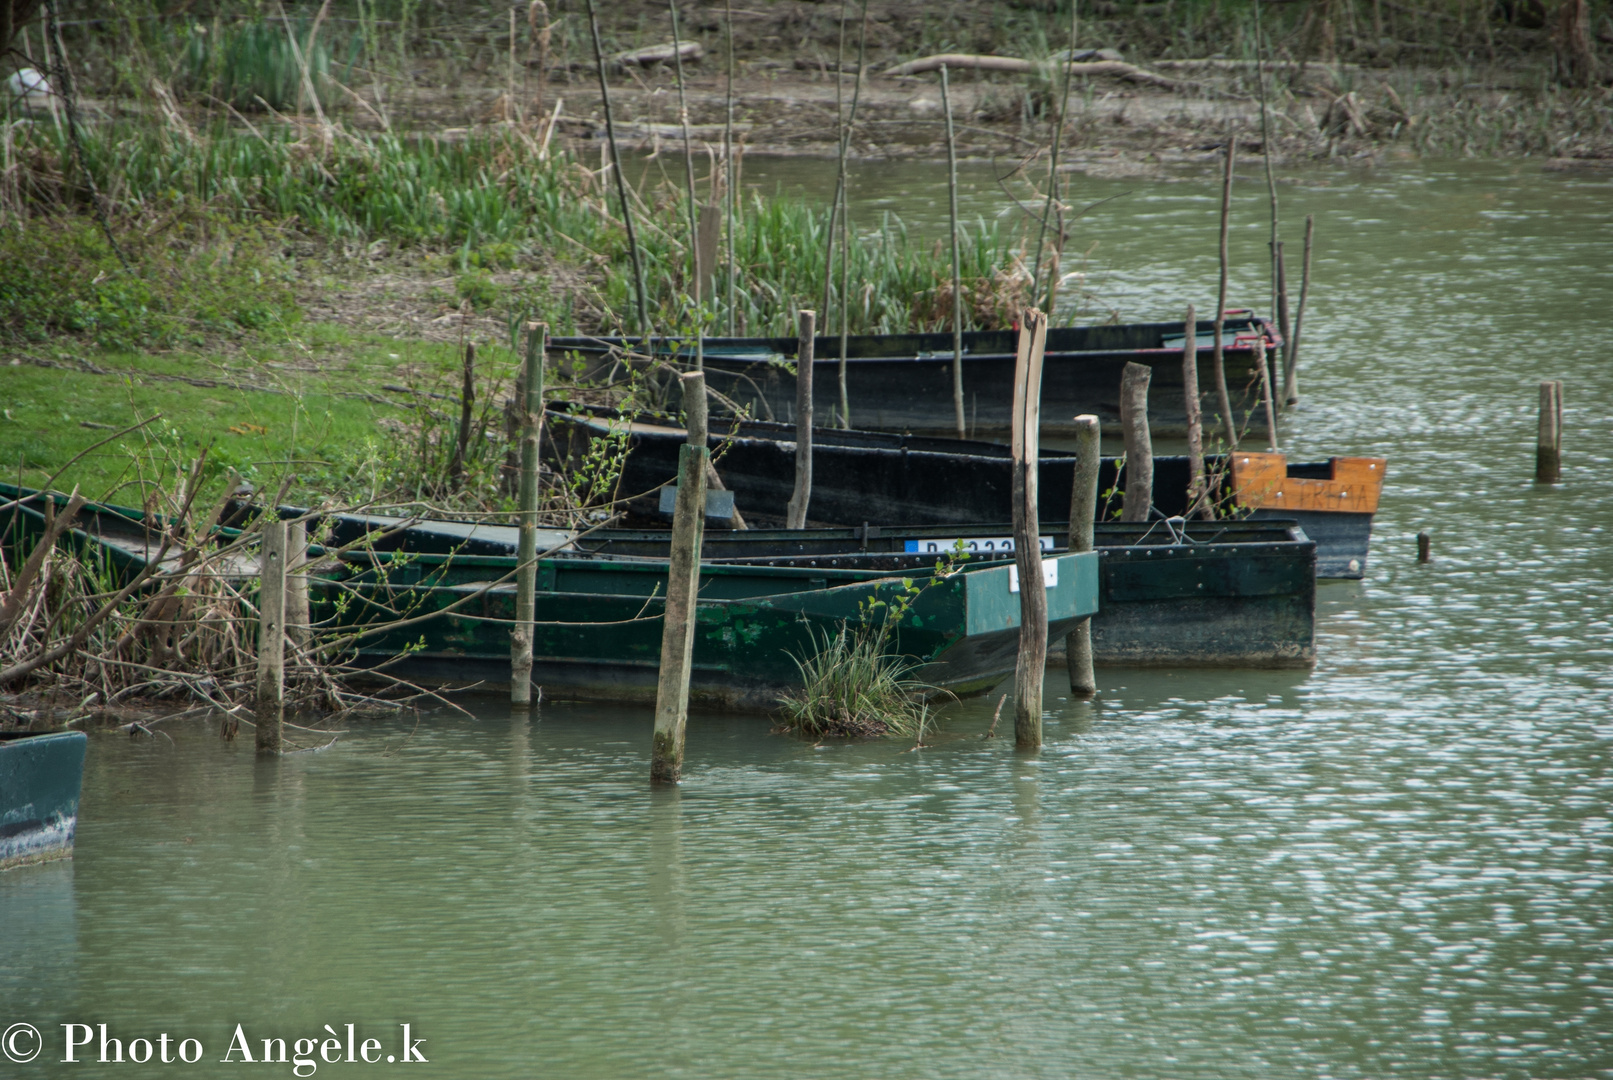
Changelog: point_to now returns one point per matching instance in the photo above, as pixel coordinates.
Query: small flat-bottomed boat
(903, 382)
(875, 477)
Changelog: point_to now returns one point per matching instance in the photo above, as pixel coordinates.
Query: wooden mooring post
(1549, 443)
(1083, 512)
(1266, 393)
(298, 619)
(796, 516)
(1198, 502)
(682, 591)
(1291, 347)
(526, 573)
(271, 697)
(1027, 420)
(1139, 443)
(1425, 547)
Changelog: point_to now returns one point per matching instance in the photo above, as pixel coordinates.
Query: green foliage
(491, 201)
(252, 64)
(854, 684)
(62, 277)
(853, 688)
(479, 288)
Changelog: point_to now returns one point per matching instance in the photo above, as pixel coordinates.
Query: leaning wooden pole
(840, 138)
(1083, 512)
(682, 592)
(797, 516)
(1053, 177)
(845, 218)
(1266, 153)
(1196, 502)
(1549, 440)
(1217, 360)
(1282, 301)
(1291, 355)
(1032, 661)
(1139, 496)
(621, 179)
(467, 415)
(271, 697)
(731, 187)
(957, 263)
(526, 574)
(694, 209)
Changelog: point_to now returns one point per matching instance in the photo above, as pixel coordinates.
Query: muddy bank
(1114, 126)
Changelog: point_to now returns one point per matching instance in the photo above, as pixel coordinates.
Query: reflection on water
(1396, 865)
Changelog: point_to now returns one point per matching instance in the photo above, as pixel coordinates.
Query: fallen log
(1117, 68)
(688, 51)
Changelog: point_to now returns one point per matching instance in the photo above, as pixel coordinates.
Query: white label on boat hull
(1050, 575)
(982, 545)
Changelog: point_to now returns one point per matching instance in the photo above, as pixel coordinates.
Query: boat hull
(903, 382)
(1208, 594)
(860, 477)
(598, 636)
(41, 777)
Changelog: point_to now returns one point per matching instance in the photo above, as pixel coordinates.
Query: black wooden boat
(903, 382)
(863, 476)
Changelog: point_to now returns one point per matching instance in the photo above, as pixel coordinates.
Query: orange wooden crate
(1261, 482)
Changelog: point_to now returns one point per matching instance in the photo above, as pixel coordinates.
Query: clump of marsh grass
(853, 688)
(854, 685)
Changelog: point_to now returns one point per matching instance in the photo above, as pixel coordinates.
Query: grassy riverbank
(248, 286)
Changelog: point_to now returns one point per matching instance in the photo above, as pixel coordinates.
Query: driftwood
(688, 51)
(22, 586)
(1116, 68)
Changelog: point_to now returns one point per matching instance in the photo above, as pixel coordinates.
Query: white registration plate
(1050, 575)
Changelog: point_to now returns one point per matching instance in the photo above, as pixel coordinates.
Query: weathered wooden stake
(1223, 397)
(298, 619)
(1549, 443)
(272, 637)
(697, 429)
(467, 413)
(957, 266)
(1282, 304)
(1139, 443)
(1425, 548)
(1197, 504)
(682, 590)
(797, 513)
(1083, 512)
(696, 421)
(1266, 395)
(526, 574)
(1027, 420)
(1291, 355)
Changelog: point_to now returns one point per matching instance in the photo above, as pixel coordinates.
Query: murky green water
(1400, 864)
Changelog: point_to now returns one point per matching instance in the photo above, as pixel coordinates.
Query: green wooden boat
(40, 779)
(444, 619)
(442, 616)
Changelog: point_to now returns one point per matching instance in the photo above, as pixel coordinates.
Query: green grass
(490, 201)
(853, 688)
(317, 420)
(192, 278)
